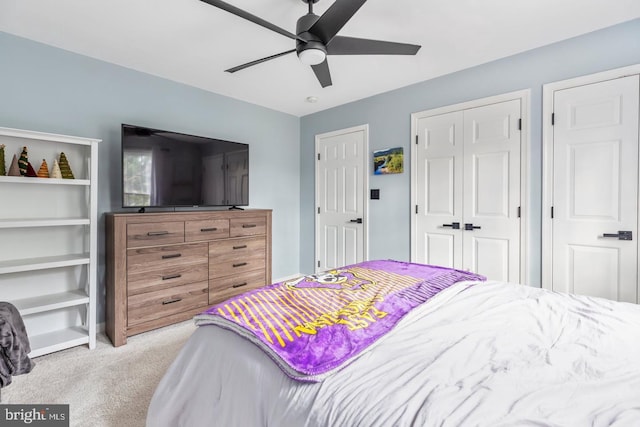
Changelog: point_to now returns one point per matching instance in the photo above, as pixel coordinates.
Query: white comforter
(485, 354)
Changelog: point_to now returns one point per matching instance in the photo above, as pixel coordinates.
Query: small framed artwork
(387, 161)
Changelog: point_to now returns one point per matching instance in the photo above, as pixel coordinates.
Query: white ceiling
(192, 42)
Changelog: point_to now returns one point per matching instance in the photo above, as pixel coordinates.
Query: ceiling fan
(316, 37)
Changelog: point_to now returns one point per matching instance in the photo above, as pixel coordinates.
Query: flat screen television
(169, 169)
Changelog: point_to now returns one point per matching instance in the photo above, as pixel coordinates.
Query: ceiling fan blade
(322, 73)
(249, 17)
(258, 61)
(334, 18)
(340, 45)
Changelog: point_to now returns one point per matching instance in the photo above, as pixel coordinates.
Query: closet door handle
(620, 235)
(357, 220)
(453, 225)
(471, 227)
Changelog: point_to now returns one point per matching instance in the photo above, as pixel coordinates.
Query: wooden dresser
(163, 268)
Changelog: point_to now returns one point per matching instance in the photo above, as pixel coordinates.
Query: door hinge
(416, 208)
(553, 119)
(519, 211)
(318, 156)
(551, 212)
(318, 209)
(318, 263)
(519, 124)
(416, 139)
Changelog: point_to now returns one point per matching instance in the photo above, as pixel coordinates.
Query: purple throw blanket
(315, 325)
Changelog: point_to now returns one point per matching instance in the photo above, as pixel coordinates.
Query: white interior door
(595, 189)
(467, 181)
(340, 197)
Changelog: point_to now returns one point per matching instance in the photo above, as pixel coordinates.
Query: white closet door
(468, 189)
(492, 191)
(595, 189)
(440, 190)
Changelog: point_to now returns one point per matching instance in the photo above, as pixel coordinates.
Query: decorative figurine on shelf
(55, 170)
(64, 167)
(31, 172)
(43, 172)
(14, 170)
(3, 166)
(23, 161)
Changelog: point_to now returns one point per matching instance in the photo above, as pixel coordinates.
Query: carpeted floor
(107, 386)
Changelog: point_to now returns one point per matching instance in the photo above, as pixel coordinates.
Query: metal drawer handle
(171, 256)
(204, 230)
(174, 276)
(157, 233)
(240, 247)
(239, 264)
(248, 225)
(239, 285)
(171, 301)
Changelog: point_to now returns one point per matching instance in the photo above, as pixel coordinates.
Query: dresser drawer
(225, 288)
(154, 305)
(206, 230)
(150, 259)
(235, 256)
(248, 226)
(233, 268)
(155, 233)
(166, 277)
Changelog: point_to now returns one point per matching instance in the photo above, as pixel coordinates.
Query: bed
(475, 353)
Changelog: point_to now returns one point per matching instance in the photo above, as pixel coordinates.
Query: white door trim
(365, 183)
(525, 168)
(548, 91)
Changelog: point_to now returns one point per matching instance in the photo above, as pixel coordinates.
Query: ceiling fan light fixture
(312, 56)
(314, 33)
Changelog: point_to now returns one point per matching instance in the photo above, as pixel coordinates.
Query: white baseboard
(293, 276)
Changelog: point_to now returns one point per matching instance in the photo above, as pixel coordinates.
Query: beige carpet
(107, 386)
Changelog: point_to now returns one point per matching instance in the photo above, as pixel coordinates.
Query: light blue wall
(52, 90)
(389, 119)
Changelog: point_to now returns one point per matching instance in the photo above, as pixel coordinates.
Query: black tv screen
(169, 169)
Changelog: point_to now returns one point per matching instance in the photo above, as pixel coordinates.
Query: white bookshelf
(48, 241)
